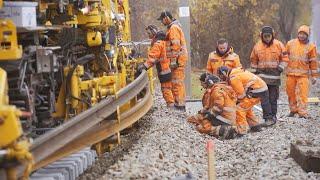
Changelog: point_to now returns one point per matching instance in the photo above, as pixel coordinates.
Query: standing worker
(222, 56)
(178, 55)
(251, 90)
(302, 64)
(268, 59)
(157, 56)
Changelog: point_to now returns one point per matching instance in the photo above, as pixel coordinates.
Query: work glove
(280, 69)
(202, 111)
(249, 94)
(209, 115)
(253, 70)
(256, 71)
(174, 63)
(313, 80)
(140, 68)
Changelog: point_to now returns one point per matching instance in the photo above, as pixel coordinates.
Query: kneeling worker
(250, 90)
(220, 117)
(199, 117)
(157, 56)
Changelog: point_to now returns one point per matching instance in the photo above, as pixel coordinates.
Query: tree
(239, 21)
(145, 12)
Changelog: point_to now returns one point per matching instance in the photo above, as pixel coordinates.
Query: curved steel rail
(91, 126)
(101, 131)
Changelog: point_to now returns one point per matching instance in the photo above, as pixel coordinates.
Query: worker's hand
(249, 93)
(203, 111)
(140, 68)
(174, 63)
(280, 69)
(174, 66)
(257, 71)
(209, 115)
(313, 80)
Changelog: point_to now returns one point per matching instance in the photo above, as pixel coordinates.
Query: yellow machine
(77, 56)
(13, 146)
(9, 49)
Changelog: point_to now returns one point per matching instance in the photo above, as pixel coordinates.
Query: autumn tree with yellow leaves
(239, 21)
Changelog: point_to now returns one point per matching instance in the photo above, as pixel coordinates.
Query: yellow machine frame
(9, 48)
(94, 22)
(15, 147)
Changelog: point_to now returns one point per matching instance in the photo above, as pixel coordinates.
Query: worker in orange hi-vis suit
(269, 58)
(302, 65)
(157, 56)
(197, 119)
(222, 56)
(218, 116)
(251, 90)
(178, 55)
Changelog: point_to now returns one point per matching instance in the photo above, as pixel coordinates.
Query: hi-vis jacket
(243, 81)
(176, 45)
(157, 56)
(230, 59)
(223, 99)
(302, 59)
(269, 61)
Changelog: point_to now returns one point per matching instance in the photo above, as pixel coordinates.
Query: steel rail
(53, 140)
(101, 131)
(83, 124)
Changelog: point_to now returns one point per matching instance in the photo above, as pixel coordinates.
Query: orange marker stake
(211, 160)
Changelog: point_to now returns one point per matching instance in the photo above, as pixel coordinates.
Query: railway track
(91, 126)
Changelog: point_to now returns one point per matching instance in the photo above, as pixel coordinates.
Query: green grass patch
(196, 88)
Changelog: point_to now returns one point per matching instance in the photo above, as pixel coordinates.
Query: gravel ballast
(164, 146)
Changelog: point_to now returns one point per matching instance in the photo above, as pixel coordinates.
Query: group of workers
(169, 54)
(231, 92)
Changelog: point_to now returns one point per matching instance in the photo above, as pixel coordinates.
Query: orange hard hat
(305, 29)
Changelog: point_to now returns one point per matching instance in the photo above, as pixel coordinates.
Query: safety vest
(243, 81)
(230, 59)
(302, 59)
(268, 59)
(157, 56)
(176, 45)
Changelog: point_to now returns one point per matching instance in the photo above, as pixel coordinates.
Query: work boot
(171, 108)
(291, 114)
(180, 108)
(270, 122)
(256, 128)
(227, 132)
(304, 116)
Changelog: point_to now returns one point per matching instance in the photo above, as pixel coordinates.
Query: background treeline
(239, 21)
